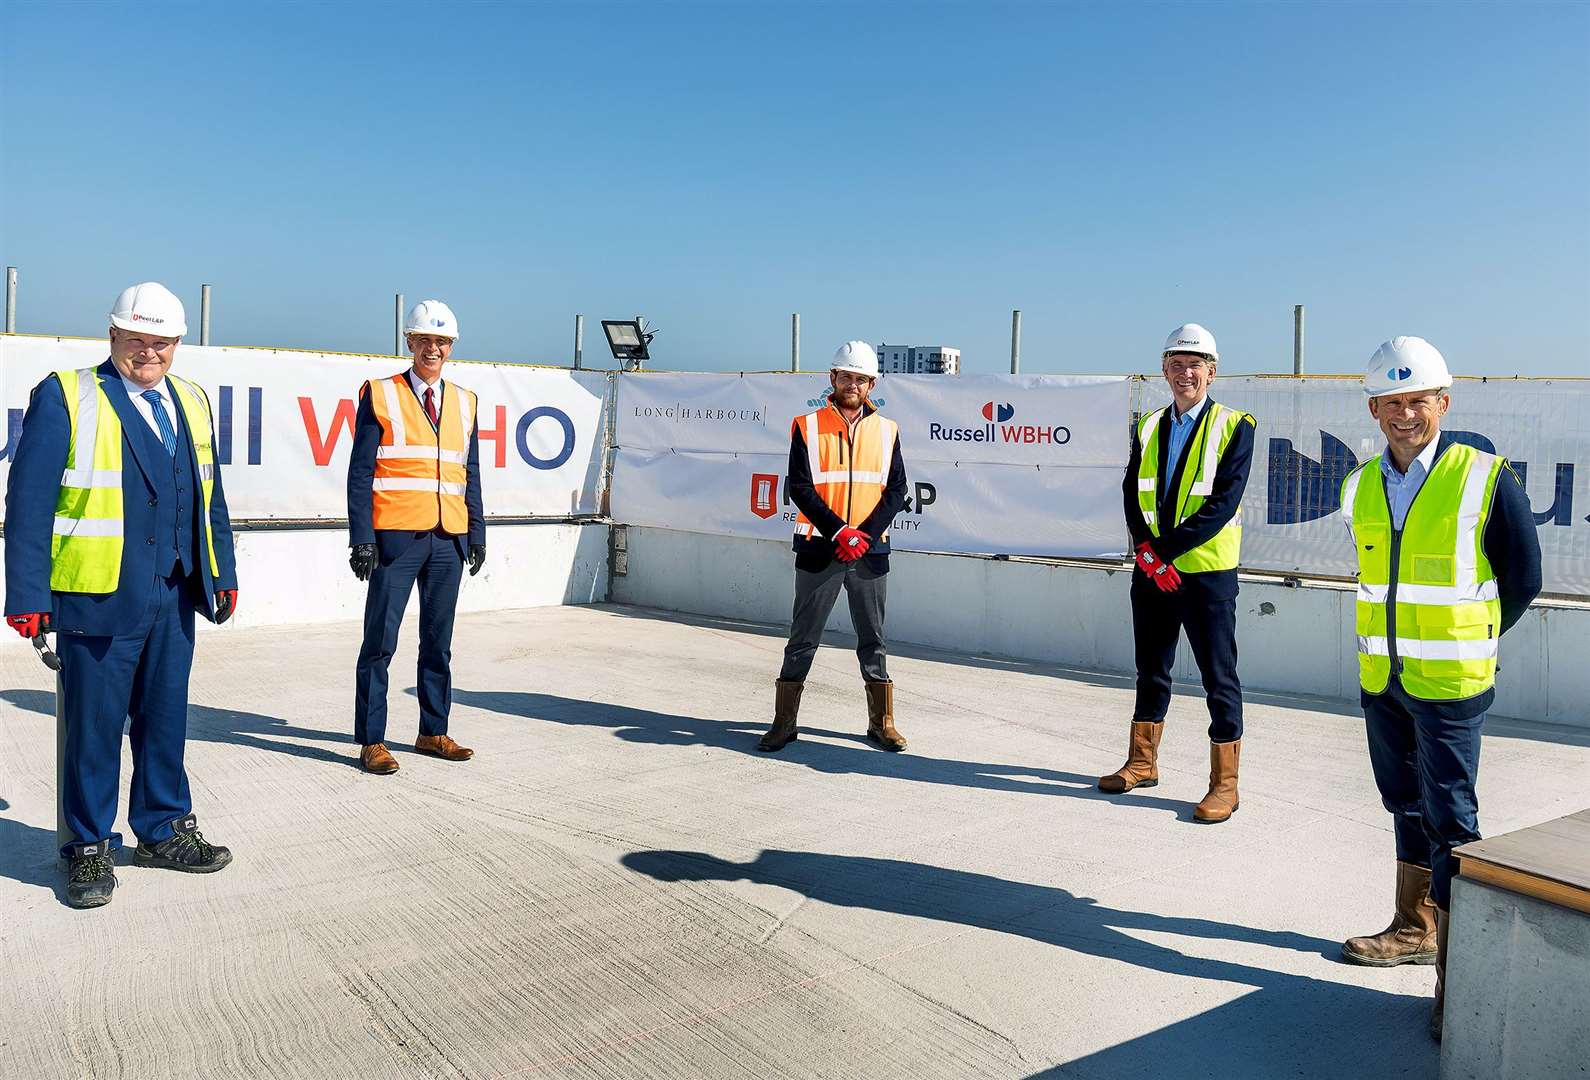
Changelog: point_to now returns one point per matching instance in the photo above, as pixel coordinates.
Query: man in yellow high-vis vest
(1183, 500)
(414, 514)
(847, 479)
(1448, 560)
(116, 533)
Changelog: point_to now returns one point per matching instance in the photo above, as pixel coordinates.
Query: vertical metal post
(1297, 340)
(397, 325)
(11, 299)
(204, 314)
(795, 342)
(1015, 342)
(579, 340)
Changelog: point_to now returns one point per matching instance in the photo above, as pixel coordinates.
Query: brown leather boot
(444, 747)
(1442, 922)
(786, 707)
(1142, 760)
(1410, 939)
(1221, 801)
(880, 717)
(376, 758)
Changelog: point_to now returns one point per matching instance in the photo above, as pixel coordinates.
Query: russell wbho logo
(997, 430)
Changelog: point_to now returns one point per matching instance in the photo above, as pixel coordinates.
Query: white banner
(1031, 464)
(284, 424)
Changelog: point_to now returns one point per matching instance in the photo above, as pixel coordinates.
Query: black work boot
(90, 875)
(786, 707)
(187, 850)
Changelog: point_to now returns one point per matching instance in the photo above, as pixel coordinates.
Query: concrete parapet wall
(1291, 640)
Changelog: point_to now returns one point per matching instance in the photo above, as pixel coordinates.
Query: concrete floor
(619, 886)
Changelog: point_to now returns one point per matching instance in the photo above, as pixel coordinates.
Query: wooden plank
(1523, 884)
(1556, 851)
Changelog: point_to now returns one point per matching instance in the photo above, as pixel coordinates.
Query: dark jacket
(34, 488)
(816, 552)
(361, 477)
(1231, 479)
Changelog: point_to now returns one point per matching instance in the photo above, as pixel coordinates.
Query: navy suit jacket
(1231, 480)
(361, 492)
(34, 488)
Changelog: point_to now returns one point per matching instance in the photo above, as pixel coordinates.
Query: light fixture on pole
(629, 340)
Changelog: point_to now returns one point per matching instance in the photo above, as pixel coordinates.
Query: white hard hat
(432, 317)
(150, 308)
(1191, 338)
(1405, 365)
(856, 356)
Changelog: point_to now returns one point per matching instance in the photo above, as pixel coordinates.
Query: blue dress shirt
(1181, 427)
(1402, 487)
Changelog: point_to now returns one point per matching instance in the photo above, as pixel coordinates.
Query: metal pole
(204, 314)
(1297, 340)
(1015, 342)
(795, 342)
(397, 326)
(11, 299)
(579, 340)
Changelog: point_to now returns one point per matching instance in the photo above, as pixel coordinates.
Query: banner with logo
(1311, 432)
(284, 424)
(1001, 464)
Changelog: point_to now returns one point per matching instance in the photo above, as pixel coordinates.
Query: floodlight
(628, 339)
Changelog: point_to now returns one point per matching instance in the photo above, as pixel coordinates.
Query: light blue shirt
(1181, 427)
(1402, 487)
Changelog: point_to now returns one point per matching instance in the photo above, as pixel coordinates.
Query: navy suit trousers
(142, 673)
(433, 560)
(1425, 766)
(1206, 607)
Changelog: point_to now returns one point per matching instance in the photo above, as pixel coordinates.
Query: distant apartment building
(919, 360)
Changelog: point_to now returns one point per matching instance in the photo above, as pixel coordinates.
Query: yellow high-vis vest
(421, 472)
(849, 471)
(1427, 598)
(1201, 457)
(86, 547)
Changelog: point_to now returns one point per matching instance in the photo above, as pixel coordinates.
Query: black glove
(477, 558)
(362, 560)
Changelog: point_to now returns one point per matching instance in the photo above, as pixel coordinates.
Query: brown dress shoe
(1221, 801)
(880, 717)
(444, 747)
(1142, 760)
(1410, 939)
(376, 758)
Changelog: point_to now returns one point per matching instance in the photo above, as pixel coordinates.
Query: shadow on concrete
(230, 726)
(29, 856)
(852, 754)
(1291, 1025)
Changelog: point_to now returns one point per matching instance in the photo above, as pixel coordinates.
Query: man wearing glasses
(1448, 560)
(847, 479)
(1183, 500)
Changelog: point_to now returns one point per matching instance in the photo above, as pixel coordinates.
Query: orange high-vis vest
(420, 471)
(849, 469)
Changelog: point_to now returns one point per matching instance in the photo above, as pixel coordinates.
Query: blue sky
(899, 172)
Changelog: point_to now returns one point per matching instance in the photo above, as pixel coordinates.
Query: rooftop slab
(618, 885)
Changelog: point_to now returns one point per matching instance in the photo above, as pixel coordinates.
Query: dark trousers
(1206, 607)
(435, 562)
(816, 591)
(142, 673)
(1425, 766)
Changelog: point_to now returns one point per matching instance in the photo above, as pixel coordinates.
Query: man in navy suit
(414, 513)
(116, 533)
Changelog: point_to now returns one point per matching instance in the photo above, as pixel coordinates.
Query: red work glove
(1159, 571)
(851, 544)
(225, 605)
(31, 625)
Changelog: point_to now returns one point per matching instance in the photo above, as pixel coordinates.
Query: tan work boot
(1442, 922)
(880, 716)
(1142, 760)
(444, 747)
(1221, 801)
(786, 706)
(1410, 939)
(376, 758)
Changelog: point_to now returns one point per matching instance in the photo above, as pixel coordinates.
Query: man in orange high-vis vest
(414, 514)
(847, 479)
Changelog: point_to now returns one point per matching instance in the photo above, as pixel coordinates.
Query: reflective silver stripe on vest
(1205, 484)
(65, 526)
(1350, 496)
(1415, 649)
(1470, 504)
(467, 407)
(415, 483)
(1148, 517)
(1147, 485)
(394, 411)
(1441, 595)
(82, 473)
(423, 453)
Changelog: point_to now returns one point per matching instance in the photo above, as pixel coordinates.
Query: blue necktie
(168, 434)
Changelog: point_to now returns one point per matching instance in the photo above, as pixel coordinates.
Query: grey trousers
(815, 595)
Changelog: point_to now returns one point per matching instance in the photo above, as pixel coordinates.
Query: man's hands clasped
(851, 544)
(1160, 572)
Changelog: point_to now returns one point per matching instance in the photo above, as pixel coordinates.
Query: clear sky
(894, 172)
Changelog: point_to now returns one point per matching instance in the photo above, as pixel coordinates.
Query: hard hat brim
(1416, 388)
(121, 323)
(853, 370)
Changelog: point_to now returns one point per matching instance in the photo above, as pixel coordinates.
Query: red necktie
(430, 409)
